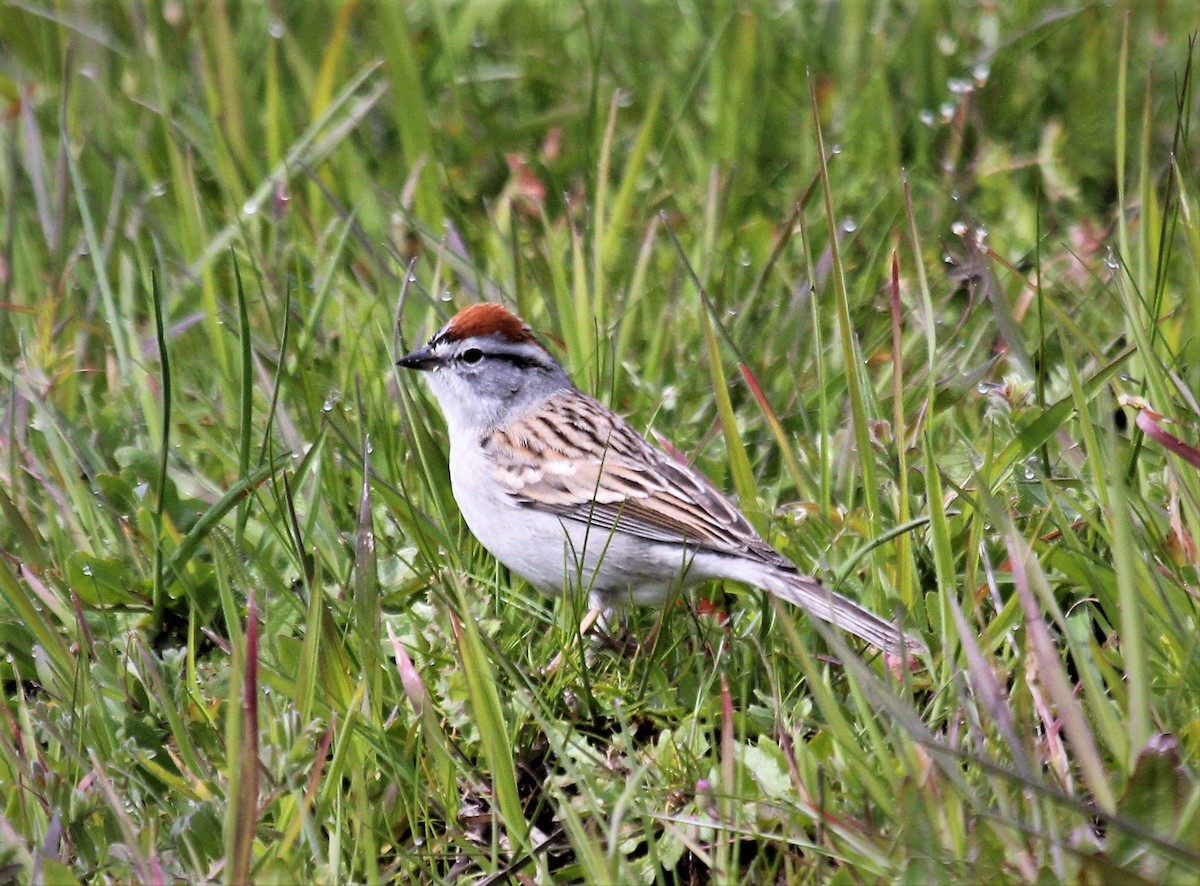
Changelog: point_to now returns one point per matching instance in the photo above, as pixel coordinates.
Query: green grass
(245, 633)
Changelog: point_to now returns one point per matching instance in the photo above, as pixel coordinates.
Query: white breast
(552, 553)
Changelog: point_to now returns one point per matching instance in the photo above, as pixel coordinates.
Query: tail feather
(820, 602)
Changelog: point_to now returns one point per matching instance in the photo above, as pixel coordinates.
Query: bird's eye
(471, 356)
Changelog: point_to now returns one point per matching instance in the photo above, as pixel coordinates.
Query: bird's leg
(611, 629)
(597, 617)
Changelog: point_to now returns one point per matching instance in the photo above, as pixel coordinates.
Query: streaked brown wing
(580, 461)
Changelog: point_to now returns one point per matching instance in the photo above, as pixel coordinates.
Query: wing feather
(582, 462)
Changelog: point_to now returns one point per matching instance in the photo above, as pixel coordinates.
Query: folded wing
(584, 463)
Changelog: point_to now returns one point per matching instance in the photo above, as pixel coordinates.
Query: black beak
(422, 359)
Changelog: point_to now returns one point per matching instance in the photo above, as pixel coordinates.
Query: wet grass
(918, 282)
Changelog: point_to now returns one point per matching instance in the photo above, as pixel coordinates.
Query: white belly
(554, 554)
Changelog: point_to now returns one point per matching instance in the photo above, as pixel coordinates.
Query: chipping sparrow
(565, 493)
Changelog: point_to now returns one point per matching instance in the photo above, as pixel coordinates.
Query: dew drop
(927, 117)
(157, 189)
(981, 72)
(1110, 260)
(250, 207)
(276, 29)
(946, 110)
(849, 226)
(446, 295)
(959, 229)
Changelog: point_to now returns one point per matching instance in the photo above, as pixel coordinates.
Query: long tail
(820, 602)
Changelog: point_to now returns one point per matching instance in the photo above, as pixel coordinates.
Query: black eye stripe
(474, 356)
(522, 362)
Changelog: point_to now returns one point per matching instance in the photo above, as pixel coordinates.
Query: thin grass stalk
(851, 361)
(1138, 713)
(246, 386)
(904, 556)
(158, 599)
(366, 589)
(599, 213)
(493, 731)
(241, 742)
(1051, 674)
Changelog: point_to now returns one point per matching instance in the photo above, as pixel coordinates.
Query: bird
(564, 492)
